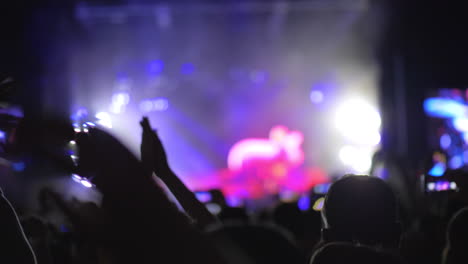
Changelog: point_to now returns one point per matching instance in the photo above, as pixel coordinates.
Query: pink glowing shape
(281, 142)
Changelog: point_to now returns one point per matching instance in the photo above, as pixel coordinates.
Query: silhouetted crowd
(137, 222)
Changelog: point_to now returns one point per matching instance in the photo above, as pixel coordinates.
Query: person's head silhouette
(361, 209)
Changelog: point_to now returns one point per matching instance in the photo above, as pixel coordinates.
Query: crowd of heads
(137, 222)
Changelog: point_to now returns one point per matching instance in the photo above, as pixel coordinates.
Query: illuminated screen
(448, 112)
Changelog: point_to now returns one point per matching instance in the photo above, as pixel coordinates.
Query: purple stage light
(445, 141)
(456, 162)
(155, 67)
(160, 104)
(304, 203)
(203, 197)
(146, 106)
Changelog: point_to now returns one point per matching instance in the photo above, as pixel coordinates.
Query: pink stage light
(262, 167)
(281, 142)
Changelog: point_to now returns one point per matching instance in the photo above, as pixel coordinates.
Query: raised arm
(155, 159)
(14, 246)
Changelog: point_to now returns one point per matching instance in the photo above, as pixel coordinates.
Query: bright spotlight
(104, 119)
(360, 160)
(86, 183)
(359, 122)
(119, 101)
(347, 155)
(76, 178)
(362, 163)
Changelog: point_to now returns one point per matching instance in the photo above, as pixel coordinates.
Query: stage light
(233, 201)
(431, 186)
(322, 188)
(316, 97)
(72, 142)
(203, 197)
(119, 102)
(76, 178)
(121, 98)
(104, 119)
(437, 170)
(74, 158)
(445, 108)
(346, 155)
(160, 104)
(453, 186)
(445, 141)
(86, 183)
(359, 159)
(155, 67)
(304, 203)
(362, 163)
(456, 162)
(461, 124)
(280, 141)
(359, 122)
(146, 106)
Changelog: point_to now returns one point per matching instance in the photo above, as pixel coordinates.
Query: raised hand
(153, 150)
(153, 153)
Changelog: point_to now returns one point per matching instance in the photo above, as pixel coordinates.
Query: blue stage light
(445, 108)
(437, 170)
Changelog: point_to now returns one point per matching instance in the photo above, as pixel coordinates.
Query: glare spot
(316, 97)
(453, 186)
(431, 186)
(359, 122)
(445, 141)
(358, 159)
(76, 178)
(104, 119)
(86, 183)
